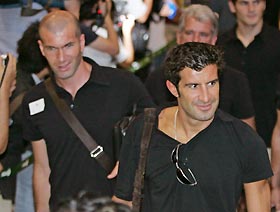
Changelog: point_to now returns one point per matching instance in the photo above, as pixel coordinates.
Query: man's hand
(275, 198)
(114, 172)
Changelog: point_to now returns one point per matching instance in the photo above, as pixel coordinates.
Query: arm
(5, 91)
(127, 28)
(110, 44)
(41, 173)
(275, 163)
(257, 196)
(144, 17)
(121, 201)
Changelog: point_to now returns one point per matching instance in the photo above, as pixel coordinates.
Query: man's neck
(176, 126)
(74, 83)
(246, 33)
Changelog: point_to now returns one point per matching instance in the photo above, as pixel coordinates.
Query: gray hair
(201, 13)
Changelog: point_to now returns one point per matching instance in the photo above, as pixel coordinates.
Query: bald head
(57, 21)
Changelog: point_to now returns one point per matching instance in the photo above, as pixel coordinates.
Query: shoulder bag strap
(149, 120)
(16, 102)
(96, 150)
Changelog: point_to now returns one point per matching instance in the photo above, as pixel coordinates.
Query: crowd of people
(65, 83)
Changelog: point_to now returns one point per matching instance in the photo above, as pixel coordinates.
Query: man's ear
(41, 47)
(231, 7)
(172, 88)
(82, 42)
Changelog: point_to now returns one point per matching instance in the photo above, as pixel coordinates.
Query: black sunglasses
(186, 179)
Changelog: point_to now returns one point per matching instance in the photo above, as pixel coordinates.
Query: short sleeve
(129, 157)
(255, 161)
(30, 131)
(90, 35)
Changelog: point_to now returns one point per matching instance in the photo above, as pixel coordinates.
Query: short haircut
(193, 55)
(201, 13)
(58, 20)
(89, 202)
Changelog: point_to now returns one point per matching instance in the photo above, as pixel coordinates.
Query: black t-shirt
(107, 96)
(260, 62)
(222, 157)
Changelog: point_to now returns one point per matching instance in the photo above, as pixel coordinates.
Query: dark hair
(30, 59)
(86, 9)
(89, 202)
(193, 55)
(3, 2)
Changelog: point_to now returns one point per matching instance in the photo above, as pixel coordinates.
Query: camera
(5, 59)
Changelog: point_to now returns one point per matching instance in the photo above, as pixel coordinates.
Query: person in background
(6, 89)
(89, 202)
(109, 44)
(275, 158)
(253, 47)
(92, 16)
(32, 68)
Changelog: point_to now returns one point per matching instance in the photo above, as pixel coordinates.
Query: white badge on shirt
(36, 106)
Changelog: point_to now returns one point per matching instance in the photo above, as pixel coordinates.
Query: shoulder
(237, 129)
(270, 31)
(226, 37)
(230, 74)
(111, 75)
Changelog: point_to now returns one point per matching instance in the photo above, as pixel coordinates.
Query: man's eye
(69, 45)
(188, 32)
(50, 48)
(192, 86)
(204, 34)
(212, 83)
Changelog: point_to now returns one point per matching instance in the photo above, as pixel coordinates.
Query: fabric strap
(96, 150)
(16, 102)
(149, 120)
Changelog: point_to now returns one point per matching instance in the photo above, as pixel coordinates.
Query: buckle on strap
(97, 151)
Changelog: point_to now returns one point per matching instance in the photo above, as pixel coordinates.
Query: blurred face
(196, 31)
(248, 12)
(199, 93)
(63, 51)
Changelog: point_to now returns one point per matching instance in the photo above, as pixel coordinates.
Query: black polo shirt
(107, 96)
(260, 62)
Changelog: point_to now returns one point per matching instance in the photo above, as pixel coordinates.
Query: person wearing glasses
(199, 157)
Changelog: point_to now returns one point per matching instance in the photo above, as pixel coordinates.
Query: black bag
(140, 37)
(120, 129)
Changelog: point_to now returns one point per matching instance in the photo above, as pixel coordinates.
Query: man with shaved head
(98, 96)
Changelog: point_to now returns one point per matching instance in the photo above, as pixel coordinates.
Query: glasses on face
(184, 178)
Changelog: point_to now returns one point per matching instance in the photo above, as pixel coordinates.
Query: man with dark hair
(199, 157)
(198, 23)
(253, 47)
(98, 96)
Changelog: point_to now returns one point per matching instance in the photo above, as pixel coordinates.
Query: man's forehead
(193, 23)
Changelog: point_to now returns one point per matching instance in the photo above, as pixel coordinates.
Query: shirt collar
(232, 33)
